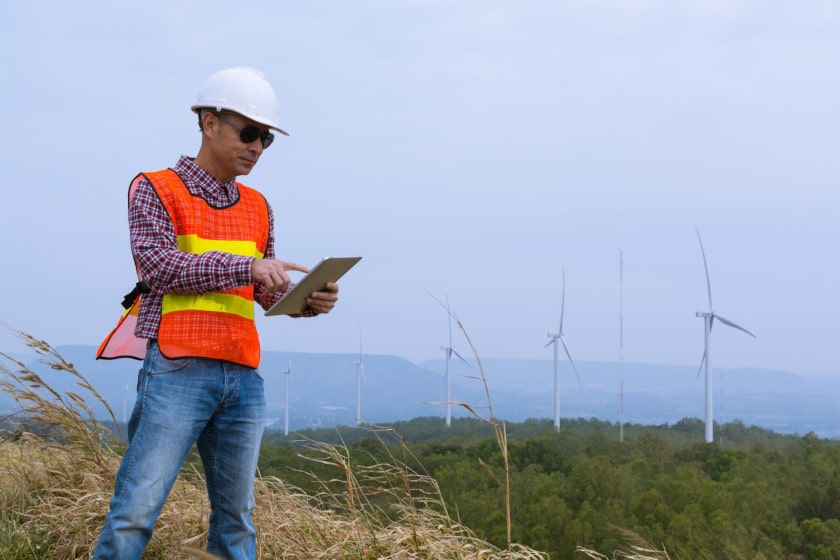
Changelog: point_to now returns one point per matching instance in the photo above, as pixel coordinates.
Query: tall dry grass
(637, 549)
(499, 428)
(57, 468)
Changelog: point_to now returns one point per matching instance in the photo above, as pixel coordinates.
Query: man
(204, 249)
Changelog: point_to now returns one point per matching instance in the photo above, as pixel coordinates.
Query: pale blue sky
(472, 149)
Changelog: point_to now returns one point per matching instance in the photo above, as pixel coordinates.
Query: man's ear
(209, 122)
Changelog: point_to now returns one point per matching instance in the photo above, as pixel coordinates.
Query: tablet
(329, 269)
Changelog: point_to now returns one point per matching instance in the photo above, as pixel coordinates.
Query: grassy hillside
(57, 467)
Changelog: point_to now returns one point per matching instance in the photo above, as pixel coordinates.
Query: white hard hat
(242, 90)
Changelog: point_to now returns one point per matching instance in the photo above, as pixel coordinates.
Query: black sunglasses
(248, 133)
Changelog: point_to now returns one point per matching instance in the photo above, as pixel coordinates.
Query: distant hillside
(323, 391)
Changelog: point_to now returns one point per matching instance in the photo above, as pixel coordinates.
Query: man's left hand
(323, 301)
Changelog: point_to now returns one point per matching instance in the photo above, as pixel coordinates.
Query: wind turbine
(554, 338)
(449, 350)
(360, 374)
(708, 320)
(288, 375)
(125, 404)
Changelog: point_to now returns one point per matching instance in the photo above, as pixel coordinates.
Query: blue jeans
(218, 405)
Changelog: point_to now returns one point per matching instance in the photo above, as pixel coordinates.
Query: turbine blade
(562, 302)
(706, 267)
(360, 340)
(448, 313)
(550, 342)
(288, 372)
(462, 358)
(571, 361)
(449, 317)
(733, 325)
(702, 361)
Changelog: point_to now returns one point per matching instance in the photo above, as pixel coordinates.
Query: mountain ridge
(323, 390)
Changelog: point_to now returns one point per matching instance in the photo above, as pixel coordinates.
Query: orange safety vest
(217, 325)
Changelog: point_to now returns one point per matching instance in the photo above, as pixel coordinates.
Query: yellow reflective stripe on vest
(192, 243)
(221, 303)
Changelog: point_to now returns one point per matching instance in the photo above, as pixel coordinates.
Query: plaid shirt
(166, 269)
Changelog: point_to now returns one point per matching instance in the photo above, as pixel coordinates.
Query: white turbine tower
(449, 350)
(708, 320)
(288, 375)
(554, 338)
(360, 374)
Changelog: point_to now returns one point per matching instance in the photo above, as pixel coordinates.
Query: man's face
(231, 155)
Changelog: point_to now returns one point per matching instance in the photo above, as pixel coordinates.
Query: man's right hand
(272, 273)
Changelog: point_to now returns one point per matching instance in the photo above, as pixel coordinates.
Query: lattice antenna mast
(621, 340)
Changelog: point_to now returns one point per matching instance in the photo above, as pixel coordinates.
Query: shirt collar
(201, 183)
